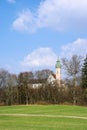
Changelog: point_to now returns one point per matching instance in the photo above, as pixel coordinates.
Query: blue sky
(33, 33)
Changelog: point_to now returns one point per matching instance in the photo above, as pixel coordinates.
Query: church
(57, 76)
(52, 78)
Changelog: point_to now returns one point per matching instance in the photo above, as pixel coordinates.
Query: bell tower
(58, 71)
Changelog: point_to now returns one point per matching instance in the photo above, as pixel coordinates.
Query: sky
(34, 33)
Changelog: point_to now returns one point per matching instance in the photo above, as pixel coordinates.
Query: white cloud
(41, 57)
(24, 22)
(78, 47)
(46, 57)
(61, 15)
(11, 1)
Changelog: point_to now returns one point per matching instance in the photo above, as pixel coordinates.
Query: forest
(18, 89)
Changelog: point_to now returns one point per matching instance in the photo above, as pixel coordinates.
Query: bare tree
(8, 83)
(23, 86)
(73, 68)
(3, 78)
(11, 89)
(43, 74)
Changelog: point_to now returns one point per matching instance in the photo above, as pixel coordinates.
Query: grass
(37, 122)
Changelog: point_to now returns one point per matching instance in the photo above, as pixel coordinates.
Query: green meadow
(43, 117)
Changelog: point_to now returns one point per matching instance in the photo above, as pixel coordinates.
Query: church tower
(58, 71)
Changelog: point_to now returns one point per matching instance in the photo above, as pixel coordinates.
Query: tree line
(18, 89)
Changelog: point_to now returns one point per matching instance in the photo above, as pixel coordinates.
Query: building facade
(58, 71)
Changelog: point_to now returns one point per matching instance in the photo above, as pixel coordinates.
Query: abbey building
(57, 76)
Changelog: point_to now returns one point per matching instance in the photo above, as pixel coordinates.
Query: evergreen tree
(84, 73)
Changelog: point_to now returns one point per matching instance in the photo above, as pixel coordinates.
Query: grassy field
(43, 117)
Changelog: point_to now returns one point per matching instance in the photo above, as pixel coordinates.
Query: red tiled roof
(54, 76)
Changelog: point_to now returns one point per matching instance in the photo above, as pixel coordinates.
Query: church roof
(54, 76)
(58, 65)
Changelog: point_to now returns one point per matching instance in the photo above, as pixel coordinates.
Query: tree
(8, 89)
(84, 73)
(11, 90)
(73, 69)
(4, 75)
(23, 86)
(43, 74)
